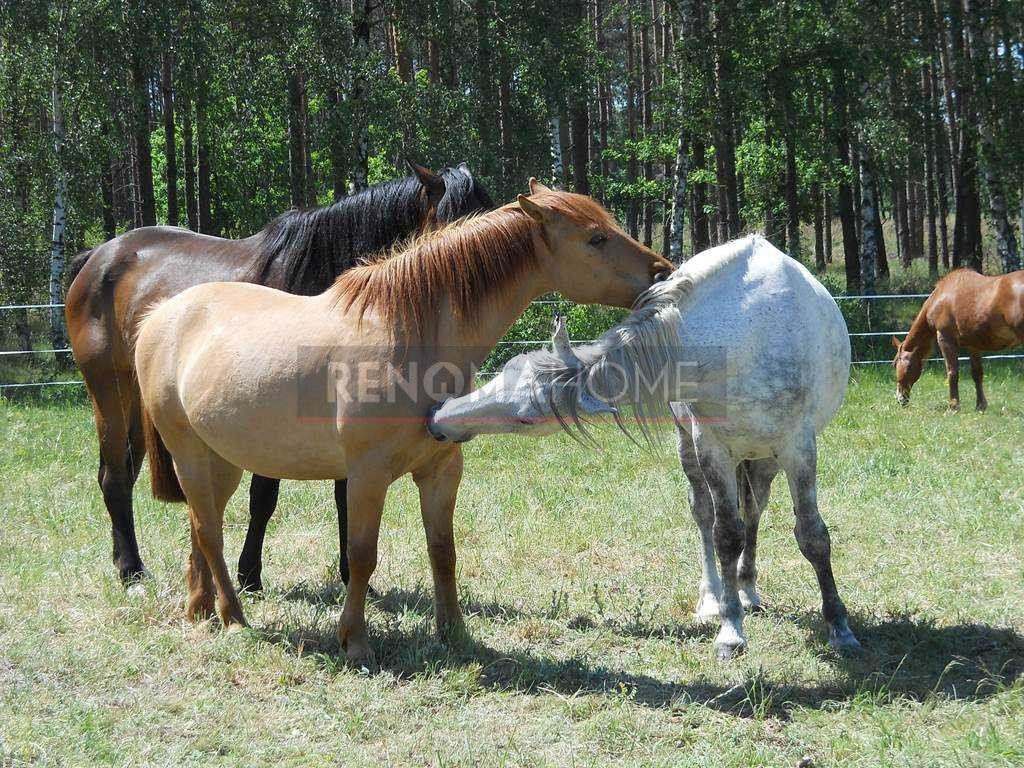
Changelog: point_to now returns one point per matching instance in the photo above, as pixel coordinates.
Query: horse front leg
(366, 494)
(978, 374)
(800, 464)
(950, 354)
(438, 486)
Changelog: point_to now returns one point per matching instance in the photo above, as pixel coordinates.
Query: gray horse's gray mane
(640, 347)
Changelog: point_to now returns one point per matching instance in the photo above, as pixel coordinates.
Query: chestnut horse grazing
(966, 310)
(227, 372)
(299, 251)
(752, 356)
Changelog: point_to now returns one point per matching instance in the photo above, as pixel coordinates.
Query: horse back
(124, 277)
(982, 312)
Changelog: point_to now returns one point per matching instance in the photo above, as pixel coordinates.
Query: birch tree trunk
(682, 167)
(646, 88)
(205, 209)
(869, 214)
(557, 165)
(632, 209)
(189, 159)
(819, 228)
(58, 333)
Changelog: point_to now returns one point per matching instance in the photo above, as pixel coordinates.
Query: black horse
(114, 284)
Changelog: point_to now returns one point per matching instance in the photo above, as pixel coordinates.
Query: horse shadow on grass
(905, 657)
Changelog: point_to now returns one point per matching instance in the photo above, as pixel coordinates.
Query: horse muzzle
(436, 427)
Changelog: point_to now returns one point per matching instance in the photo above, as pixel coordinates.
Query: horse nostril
(662, 276)
(441, 438)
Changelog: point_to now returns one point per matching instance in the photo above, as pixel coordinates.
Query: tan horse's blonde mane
(466, 262)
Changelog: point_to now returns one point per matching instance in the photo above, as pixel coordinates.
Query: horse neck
(468, 341)
(921, 335)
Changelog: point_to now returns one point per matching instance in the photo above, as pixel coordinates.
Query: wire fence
(525, 344)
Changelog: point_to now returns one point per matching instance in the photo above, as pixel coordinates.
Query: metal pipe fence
(524, 343)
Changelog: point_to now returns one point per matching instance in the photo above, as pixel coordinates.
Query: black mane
(308, 249)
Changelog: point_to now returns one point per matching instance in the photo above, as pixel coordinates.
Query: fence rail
(514, 343)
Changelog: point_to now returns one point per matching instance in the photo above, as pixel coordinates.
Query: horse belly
(273, 447)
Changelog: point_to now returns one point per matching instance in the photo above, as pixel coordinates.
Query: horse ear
(593, 406)
(464, 167)
(430, 180)
(538, 213)
(560, 343)
(536, 187)
(896, 342)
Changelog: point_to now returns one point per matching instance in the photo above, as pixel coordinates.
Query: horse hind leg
(754, 480)
(208, 482)
(122, 450)
(978, 374)
(200, 603)
(800, 465)
(702, 507)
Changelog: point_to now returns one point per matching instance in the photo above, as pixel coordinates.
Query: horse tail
(163, 478)
(76, 265)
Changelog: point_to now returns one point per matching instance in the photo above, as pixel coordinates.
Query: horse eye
(598, 239)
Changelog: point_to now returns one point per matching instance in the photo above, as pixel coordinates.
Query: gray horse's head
(527, 397)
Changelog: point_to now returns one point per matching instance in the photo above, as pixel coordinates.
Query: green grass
(578, 573)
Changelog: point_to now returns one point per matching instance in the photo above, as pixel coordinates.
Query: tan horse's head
(587, 257)
(908, 370)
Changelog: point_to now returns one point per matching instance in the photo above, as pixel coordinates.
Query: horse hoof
(136, 590)
(845, 643)
(199, 612)
(249, 584)
(453, 633)
(131, 574)
(751, 601)
(727, 651)
(361, 658)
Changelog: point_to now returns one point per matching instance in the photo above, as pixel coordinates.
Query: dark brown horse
(966, 310)
(300, 252)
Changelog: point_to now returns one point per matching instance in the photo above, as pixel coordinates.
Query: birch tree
(58, 333)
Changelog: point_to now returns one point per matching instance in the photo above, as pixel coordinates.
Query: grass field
(578, 575)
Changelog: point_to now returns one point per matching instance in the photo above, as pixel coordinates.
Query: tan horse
(225, 371)
(966, 310)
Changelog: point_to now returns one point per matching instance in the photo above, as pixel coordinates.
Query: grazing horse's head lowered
(908, 366)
